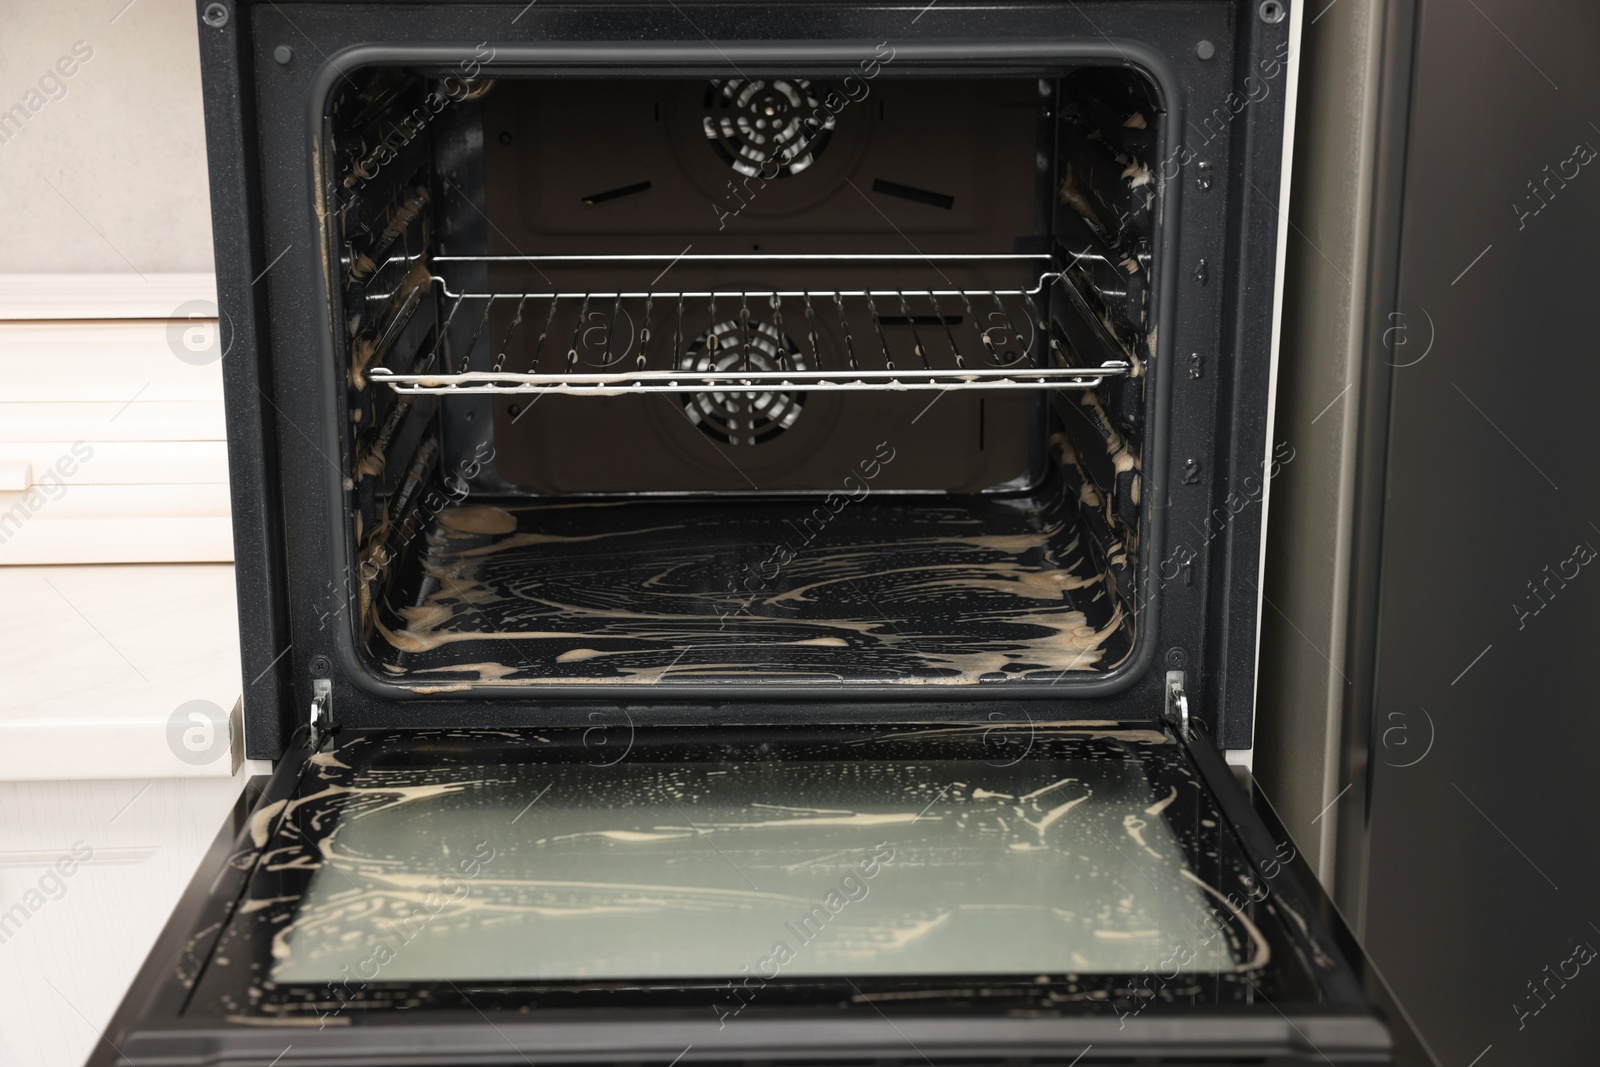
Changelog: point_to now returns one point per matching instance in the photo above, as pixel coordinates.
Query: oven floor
(888, 589)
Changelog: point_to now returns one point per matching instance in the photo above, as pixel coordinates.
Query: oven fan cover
(768, 128)
(743, 418)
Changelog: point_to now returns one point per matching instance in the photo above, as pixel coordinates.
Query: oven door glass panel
(711, 870)
(1052, 864)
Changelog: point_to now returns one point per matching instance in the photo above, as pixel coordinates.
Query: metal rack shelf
(752, 339)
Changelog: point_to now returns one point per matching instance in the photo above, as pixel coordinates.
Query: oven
(748, 526)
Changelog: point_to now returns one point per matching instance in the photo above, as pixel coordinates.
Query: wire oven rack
(795, 338)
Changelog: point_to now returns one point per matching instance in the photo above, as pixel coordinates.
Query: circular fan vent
(737, 418)
(768, 128)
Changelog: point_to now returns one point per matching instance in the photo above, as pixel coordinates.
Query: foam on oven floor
(884, 590)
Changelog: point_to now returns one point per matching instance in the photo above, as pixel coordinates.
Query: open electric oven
(749, 523)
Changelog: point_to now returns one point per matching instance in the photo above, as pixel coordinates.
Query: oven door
(933, 893)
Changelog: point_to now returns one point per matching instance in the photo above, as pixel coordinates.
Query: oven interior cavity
(802, 378)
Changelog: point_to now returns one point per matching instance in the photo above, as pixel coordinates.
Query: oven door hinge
(1176, 711)
(321, 712)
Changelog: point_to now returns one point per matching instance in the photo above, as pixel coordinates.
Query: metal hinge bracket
(321, 711)
(1176, 712)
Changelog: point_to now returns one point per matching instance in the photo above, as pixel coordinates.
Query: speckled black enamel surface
(862, 588)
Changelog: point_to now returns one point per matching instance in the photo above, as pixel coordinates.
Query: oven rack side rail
(748, 339)
(671, 382)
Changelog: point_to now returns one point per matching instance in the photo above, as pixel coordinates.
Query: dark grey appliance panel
(1483, 730)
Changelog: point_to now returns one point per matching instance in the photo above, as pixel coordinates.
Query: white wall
(109, 174)
(105, 253)
(105, 217)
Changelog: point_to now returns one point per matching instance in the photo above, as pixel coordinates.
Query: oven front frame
(294, 543)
